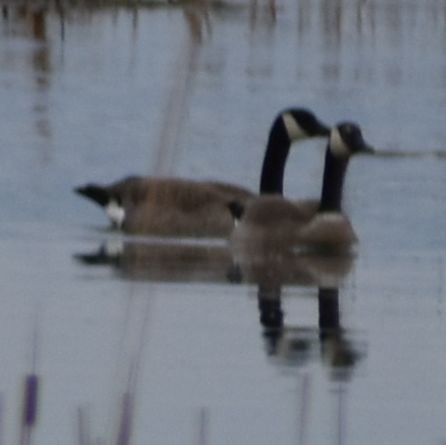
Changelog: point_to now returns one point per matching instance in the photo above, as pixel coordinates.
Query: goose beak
(366, 149)
(362, 147)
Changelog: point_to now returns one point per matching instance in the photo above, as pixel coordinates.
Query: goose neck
(333, 182)
(275, 159)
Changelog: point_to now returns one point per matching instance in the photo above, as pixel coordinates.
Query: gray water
(186, 336)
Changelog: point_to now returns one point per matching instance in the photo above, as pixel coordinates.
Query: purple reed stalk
(30, 400)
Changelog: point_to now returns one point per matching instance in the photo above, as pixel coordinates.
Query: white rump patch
(293, 128)
(116, 213)
(337, 145)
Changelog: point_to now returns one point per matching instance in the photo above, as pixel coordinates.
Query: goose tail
(100, 195)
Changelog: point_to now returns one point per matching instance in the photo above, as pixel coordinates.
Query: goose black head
(301, 123)
(346, 139)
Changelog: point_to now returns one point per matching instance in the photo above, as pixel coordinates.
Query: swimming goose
(181, 207)
(274, 222)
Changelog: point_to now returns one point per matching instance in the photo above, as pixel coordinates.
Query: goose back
(166, 206)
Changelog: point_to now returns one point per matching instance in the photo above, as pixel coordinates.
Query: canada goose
(271, 222)
(181, 207)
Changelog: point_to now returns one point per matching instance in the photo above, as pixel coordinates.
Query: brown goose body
(272, 222)
(275, 223)
(265, 210)
(181, 207)
(173, 206)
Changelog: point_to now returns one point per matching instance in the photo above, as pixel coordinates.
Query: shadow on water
(161, 261)
(296, 347)
(286, 346)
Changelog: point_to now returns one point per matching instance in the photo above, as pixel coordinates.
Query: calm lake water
(137, 341)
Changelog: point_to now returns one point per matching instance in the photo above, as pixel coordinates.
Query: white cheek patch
(116, 213)
(293, 128)
(337, 145)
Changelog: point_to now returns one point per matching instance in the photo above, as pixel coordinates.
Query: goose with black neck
(275, 222)
(187, 208)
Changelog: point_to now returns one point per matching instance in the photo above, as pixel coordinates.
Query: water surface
(183, 343)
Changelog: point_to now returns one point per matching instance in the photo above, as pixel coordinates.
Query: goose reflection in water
(295, 345)
(174, 261)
